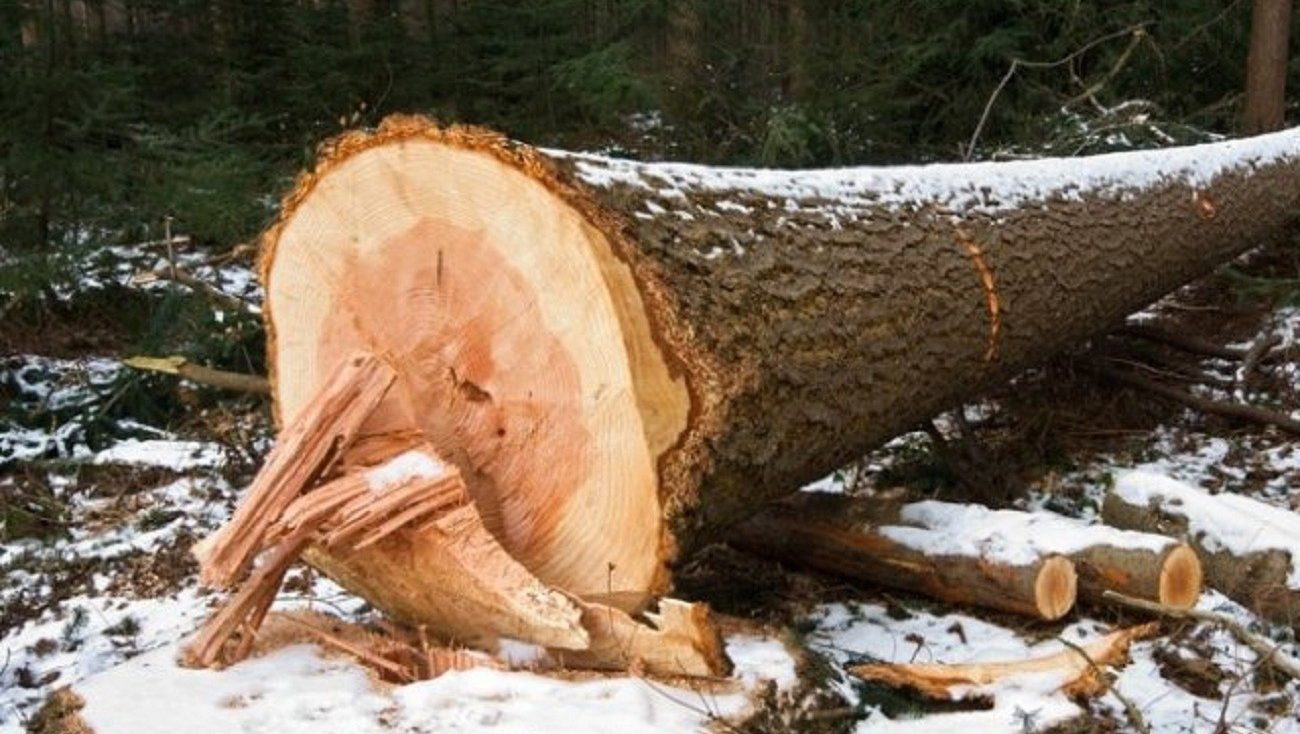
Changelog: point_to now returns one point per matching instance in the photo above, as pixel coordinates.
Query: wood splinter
(1077, 668)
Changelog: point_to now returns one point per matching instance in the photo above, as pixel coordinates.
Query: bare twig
(1261, 645)
(175, 274)
(1018, 63)
(1090, 92)
(1252, 413)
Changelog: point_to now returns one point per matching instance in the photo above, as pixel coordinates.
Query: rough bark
(1258, 578)
(863, 537)
(775, 324)
(1264, 108)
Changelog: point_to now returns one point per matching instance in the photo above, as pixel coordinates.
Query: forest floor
(100, 503)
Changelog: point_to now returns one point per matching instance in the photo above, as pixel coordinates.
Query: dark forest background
(119, 113)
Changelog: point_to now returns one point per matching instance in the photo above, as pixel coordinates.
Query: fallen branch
(1185, 342)
(1251, 413)
(186, 370)
(1262, 646)
(175, 274)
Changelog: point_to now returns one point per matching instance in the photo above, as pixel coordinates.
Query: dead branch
(1184, 342)
(183, 368)
(1251, 413)
(1263, 344)
(175, 274)
(1262, 646)
(1018, 63)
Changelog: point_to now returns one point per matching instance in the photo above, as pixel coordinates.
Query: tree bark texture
(1264, 109)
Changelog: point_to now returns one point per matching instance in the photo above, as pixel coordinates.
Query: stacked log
(1250, 549)
(1030, 563)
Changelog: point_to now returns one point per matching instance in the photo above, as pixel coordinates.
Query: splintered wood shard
(314, 435)
(680, 640)
(228, 635)
(1076, 669)
(481, 594)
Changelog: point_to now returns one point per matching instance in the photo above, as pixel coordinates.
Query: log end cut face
(521, 345)
(1180, 577)
(1056, 587)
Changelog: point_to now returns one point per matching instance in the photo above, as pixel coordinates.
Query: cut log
(1076, 669)
(1001, 559)
(835, 534)
(1250, 549)
(303, 452)
(624, 359)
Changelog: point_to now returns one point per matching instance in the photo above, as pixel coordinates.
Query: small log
(978, 549)
(836, 534)
(1077, 668)
(304, 450)
(1249, 548)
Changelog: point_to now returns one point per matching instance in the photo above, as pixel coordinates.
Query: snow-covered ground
(102, 593)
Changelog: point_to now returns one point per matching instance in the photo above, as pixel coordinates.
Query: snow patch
(987, 187)
(175, 455)
(296, 690)
(1011, 536)
(413, 464)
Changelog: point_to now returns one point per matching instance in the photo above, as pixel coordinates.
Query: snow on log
(833, 533)
(1074, 671)
(623, 359)
(1250, 549)
(968, 553)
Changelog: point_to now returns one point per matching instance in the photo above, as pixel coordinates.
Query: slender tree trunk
(1264, 109)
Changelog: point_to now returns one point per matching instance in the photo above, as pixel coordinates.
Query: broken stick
(1078, 672)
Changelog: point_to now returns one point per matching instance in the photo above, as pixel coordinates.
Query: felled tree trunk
(624, 358)
(1028, 563)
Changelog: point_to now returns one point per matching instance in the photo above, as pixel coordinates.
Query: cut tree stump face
(519, 341)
